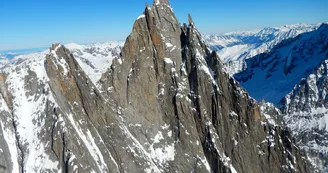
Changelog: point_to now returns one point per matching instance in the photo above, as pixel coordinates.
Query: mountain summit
(168, 75)
(162, 2)
(166, 104)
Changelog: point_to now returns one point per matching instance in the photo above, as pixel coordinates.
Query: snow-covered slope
(4, 61)
(306, 113)
(95, 59)
(47, 123)
(234, 47)
(294, 76)
(10, 54)
(27, 83)
(270, 76)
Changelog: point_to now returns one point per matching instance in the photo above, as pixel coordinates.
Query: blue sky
(39, 23)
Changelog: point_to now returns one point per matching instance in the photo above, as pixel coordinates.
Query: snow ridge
(95, 59)
(234, 47)
(306, 113)
(270, 76)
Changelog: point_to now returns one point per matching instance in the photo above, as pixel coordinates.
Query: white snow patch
(143, 49)
(119, 60)
(168, 45)
(174, 47)
(162, 152)
(141, 16)
(95, 59)
(90, 144)
(27, 110)
(153, 167)
(168, 60)
(233, 114)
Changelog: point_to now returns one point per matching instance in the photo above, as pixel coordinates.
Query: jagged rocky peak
(54, 46)
(162, 2)
(191, 22)
(4, 90)
(198, 118)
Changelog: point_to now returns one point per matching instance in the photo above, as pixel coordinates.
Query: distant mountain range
(286, 66)
(95, 59)
(293, 75)
(234, 47)
(9, 54)
(271, 75)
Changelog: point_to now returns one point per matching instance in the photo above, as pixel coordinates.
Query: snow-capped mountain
(293, 76)
(8, 55)
(270, 76)
(166, 104)
(13, 53)
(4, 61)
(234, 47)
(305, 111)
(94, 59)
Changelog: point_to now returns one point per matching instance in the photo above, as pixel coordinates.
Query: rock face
(165, 105)
(306, 113)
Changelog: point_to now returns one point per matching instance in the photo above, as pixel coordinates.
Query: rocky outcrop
(8, 161)
(6, 95)
(6, 127)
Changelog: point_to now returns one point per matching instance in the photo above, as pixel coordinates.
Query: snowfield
(235, 47)
(94, 59)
